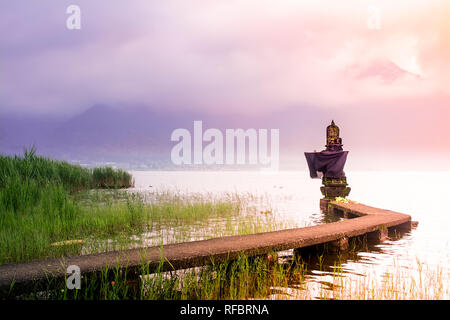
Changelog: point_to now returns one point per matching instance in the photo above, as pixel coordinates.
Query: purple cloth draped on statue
(330, 163)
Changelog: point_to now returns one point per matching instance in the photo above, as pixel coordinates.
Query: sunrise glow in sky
(363, 61)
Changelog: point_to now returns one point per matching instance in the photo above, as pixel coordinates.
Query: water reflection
(325, 267)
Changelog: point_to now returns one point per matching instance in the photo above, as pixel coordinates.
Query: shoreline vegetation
(38, 205)
(51, 209)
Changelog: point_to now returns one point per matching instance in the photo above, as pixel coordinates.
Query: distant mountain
(105, 129)
(139, 136)
(103, 132)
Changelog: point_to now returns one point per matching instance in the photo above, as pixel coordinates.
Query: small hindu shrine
(329, 165)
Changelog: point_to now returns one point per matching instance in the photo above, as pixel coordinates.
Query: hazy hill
(139, 134)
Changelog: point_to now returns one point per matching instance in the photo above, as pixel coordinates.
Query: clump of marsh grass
(32, 169)
(37, 207)
(107, 177)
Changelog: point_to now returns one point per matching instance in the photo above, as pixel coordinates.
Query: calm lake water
(294, 199)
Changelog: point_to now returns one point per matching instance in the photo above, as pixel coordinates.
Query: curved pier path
(365, 220)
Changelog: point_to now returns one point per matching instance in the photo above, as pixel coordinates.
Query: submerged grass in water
(112, 224)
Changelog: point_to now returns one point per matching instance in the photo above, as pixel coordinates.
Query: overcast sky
(232, 56)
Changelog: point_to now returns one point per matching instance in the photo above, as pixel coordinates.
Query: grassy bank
(48, 209)
(37, 205)
(30, 171)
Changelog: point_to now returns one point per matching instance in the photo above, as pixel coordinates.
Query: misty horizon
(142, 136)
